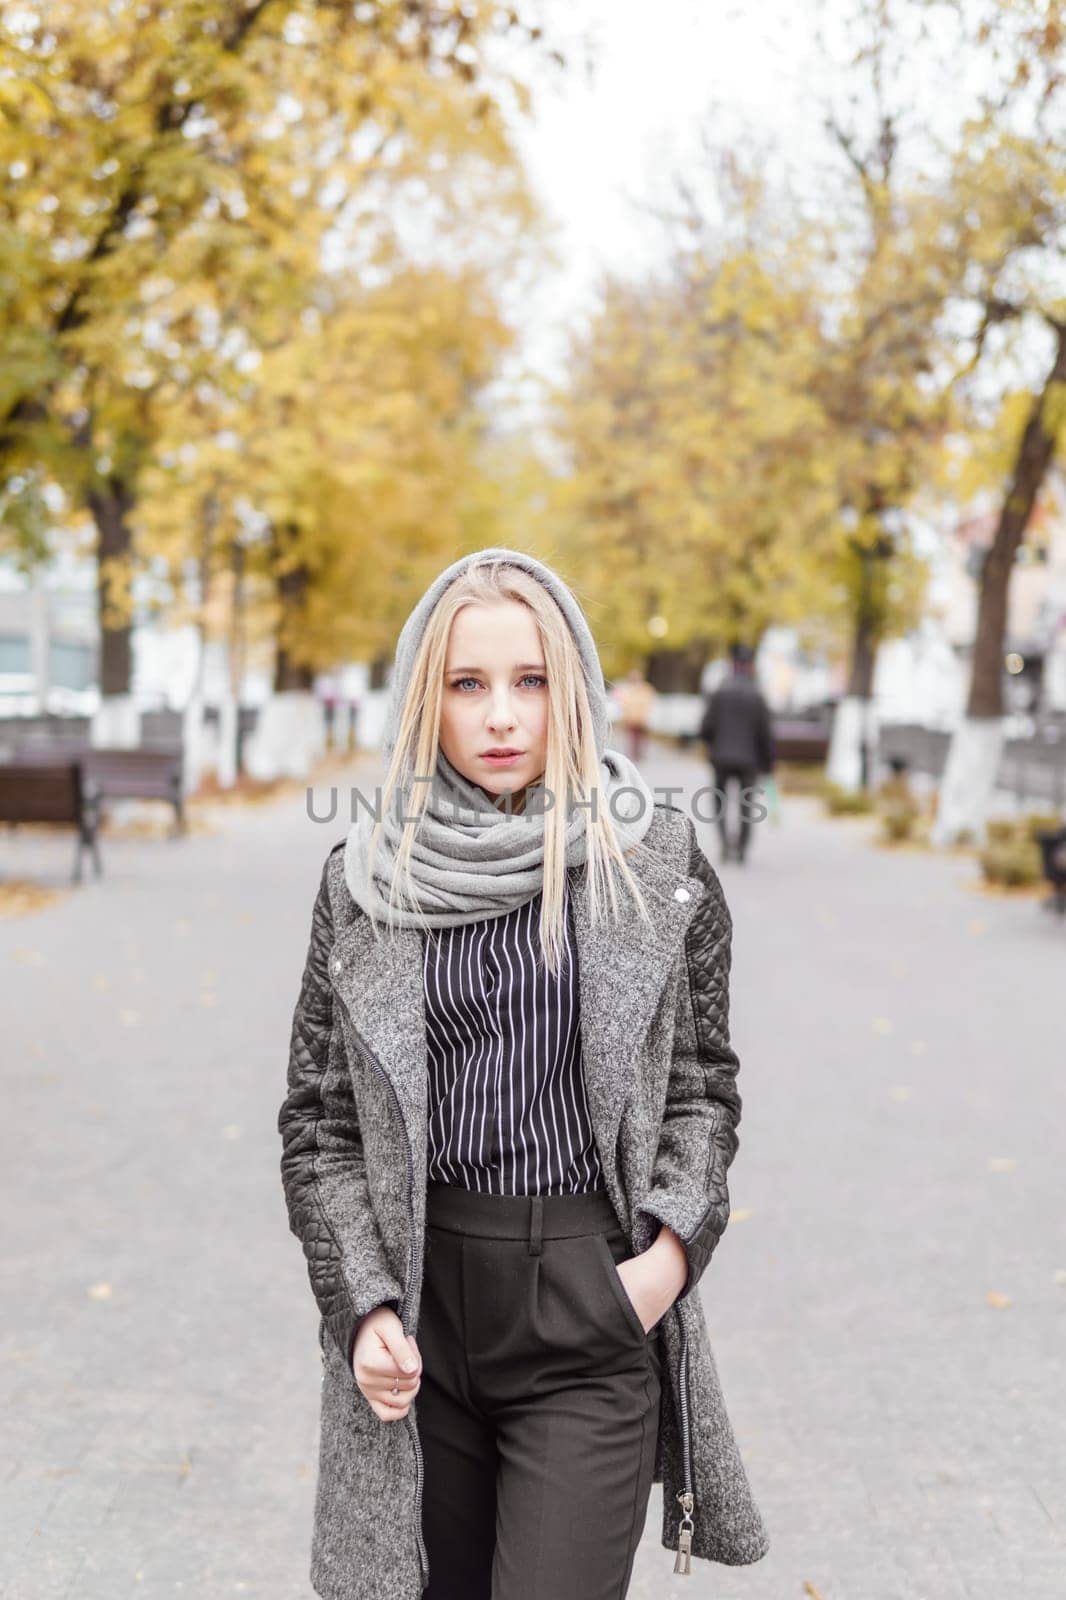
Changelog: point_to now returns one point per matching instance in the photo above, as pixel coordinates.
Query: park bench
(797, 739)
(139, 775)
(55, 791)
(121, 774)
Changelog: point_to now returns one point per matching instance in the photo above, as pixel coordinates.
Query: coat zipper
(686, 1497)
(413, 1267)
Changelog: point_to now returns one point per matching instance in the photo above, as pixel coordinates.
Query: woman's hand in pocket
(654, 1279)
(379, 1354)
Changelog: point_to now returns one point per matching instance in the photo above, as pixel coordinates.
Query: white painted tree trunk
(347, 716)
(289, 737)
(370, 718)
(969, 780)
(853, 721)
(227, 741)
(193, 760)
(116, 723)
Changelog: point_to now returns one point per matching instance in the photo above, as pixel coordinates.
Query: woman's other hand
(379, 1354)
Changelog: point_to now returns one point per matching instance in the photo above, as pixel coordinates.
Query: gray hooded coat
(660, 1078)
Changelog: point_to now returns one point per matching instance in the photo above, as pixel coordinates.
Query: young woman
(511, 1110)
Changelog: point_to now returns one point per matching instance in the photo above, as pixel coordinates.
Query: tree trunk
(1035, 454)
(854, 723)
(229, 723)
(289, 672)
(677, 671)
(863, 659)
(969, 779)
(110, 509)
(869, 612)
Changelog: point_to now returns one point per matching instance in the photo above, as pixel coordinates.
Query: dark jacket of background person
(737, 726)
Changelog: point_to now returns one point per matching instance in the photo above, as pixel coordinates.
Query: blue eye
(530, 677)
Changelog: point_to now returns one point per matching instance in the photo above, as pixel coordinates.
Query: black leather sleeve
(322, 1166)
(709, 959)
(698, 1139)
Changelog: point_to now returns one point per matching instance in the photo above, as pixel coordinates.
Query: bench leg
(90, 818)
(177, 801)
(94, 846)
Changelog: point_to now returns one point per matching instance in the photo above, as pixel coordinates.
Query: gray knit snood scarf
(469, 858)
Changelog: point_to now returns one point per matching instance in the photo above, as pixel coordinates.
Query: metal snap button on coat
(681, 893)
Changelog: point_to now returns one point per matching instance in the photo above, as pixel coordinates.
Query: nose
(501, 713)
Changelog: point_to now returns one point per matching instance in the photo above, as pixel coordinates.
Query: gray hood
(415, 627)
(469, 860)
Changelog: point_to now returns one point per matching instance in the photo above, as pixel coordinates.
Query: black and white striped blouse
(507, 1107)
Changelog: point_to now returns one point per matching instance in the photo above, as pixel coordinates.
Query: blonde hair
(572, 766)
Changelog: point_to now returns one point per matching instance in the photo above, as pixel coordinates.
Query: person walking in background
(738, 731)
(635, 697)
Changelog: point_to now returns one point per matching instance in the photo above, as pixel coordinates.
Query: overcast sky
(597, 143)
(747, 73)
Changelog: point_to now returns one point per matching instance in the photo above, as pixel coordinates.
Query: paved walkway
(888, 1307)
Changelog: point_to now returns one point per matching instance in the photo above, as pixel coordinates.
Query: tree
(1010, 172)
(168, 160)
(695, 493)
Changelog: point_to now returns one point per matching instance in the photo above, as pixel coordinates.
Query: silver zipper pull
(683, 1559)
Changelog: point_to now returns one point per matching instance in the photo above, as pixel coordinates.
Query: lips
(501, 752)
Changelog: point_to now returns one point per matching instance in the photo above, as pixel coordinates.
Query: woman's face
(495, 697)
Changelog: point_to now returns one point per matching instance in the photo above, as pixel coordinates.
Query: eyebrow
(523, 666)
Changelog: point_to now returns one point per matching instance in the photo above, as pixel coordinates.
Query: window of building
(70, 664)
(15, 653)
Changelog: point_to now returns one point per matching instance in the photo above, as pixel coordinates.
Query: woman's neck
(518, 799)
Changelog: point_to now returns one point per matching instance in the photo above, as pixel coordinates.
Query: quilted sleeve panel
(698, 1140)
(322, 1166)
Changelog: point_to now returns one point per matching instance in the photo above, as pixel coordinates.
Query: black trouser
(746, 778)
(539, 1405)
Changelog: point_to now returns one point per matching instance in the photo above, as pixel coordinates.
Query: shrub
(1042, 822)
(841, 802)
(1011, 857)
(899, 809)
